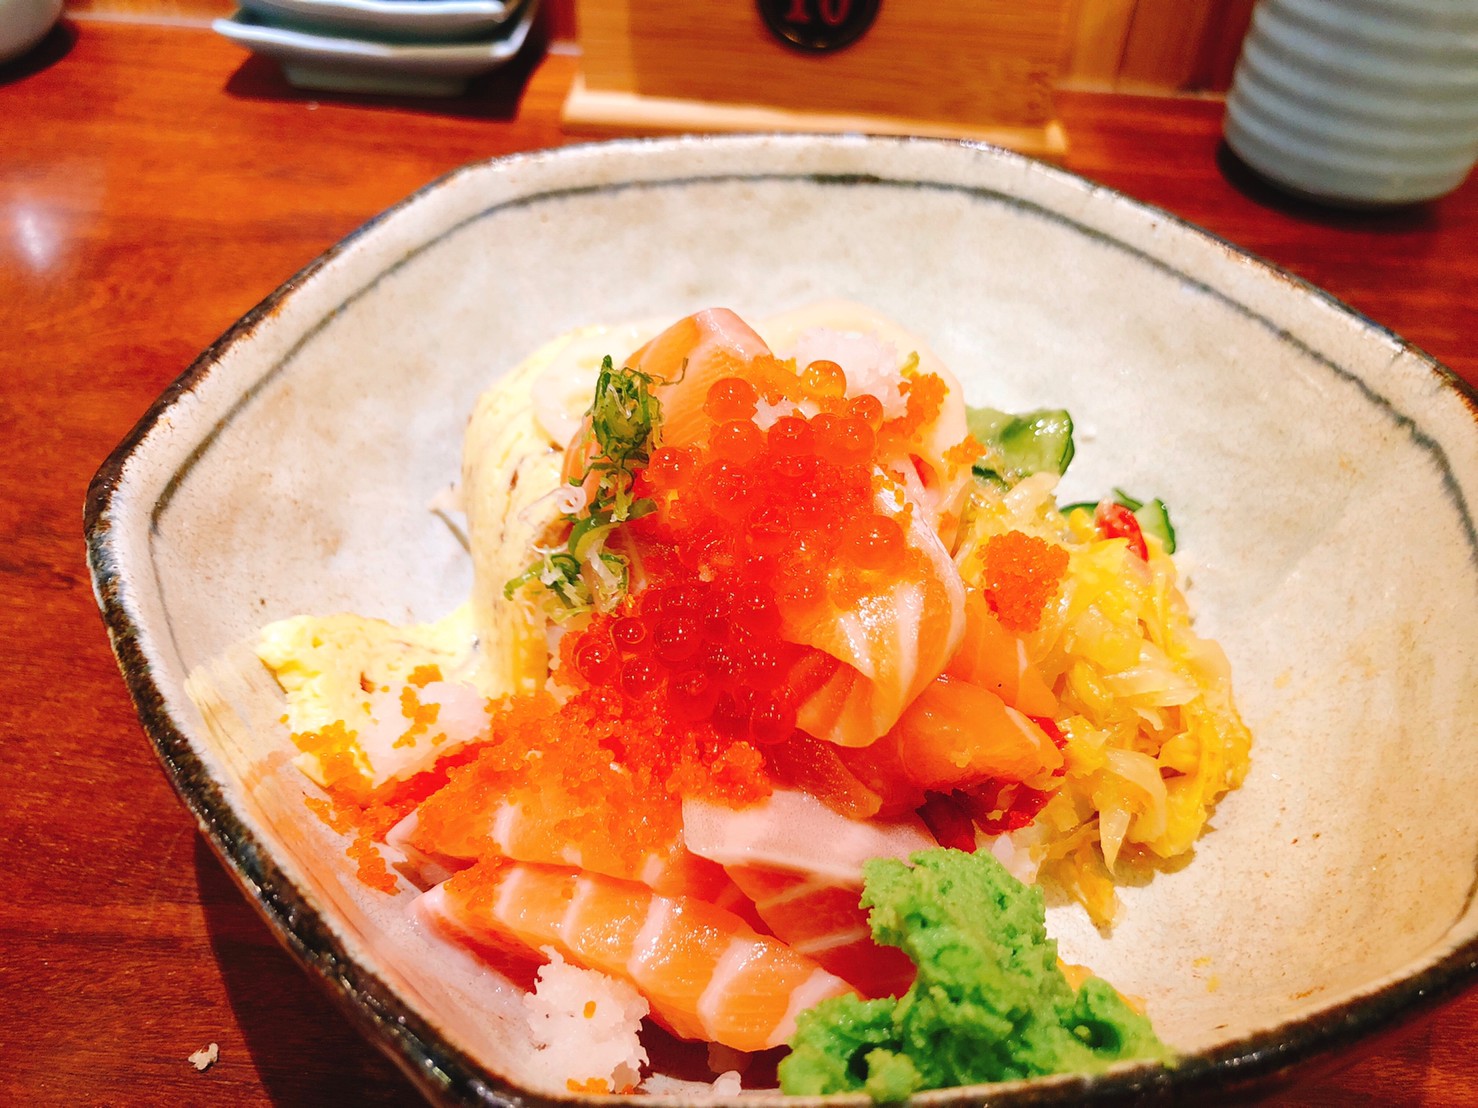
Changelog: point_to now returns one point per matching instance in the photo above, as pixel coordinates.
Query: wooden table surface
(155, 184)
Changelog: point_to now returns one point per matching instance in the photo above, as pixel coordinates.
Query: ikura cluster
(760, 527)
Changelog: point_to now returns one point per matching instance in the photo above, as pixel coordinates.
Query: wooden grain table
(154, 184)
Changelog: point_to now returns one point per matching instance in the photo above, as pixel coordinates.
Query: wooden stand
(981, 69)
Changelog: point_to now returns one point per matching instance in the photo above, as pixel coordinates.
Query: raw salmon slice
(801, 863)
(689, 357)
(461, 830)
(704, 971)
(890, 644)
(825, 920)
(992, 657)
(683, 361)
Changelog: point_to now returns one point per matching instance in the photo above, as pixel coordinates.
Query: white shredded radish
(1012, 852)
(567, 500)
(727, 1084)
(586, 1029)
(871, 365)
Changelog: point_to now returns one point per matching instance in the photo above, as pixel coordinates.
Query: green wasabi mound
(989, 1003)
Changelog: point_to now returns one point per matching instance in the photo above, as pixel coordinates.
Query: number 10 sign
(819, 24)
(972, 68)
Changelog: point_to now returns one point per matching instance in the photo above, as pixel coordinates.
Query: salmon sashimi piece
(422, 868)
(684, 361)
(824, 920)
(957, 734)
(457, 834)
(817, 768)
(881, 770)
(892, 642)
(689, 357)
(801, 863)
(793, 831)
(992, 657)
(704, 971)
(954, 735)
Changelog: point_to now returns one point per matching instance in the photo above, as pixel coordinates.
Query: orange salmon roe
(825, 379)
(965, 452)
(731, 398)
(867, 408)
(371, 868)
(599, 764)
(755, 527)
(924, 396)
(333, 746)
(1022, 573)
(351, 805)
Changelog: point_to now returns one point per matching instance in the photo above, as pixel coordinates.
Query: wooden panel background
(1155, 46)
(990, 59)
(558, 15)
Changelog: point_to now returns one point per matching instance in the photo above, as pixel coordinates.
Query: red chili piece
(1115, 521)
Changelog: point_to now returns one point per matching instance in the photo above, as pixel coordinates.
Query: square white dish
(389, 20)
(328, 62)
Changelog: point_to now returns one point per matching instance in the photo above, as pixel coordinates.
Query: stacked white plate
(406, 47)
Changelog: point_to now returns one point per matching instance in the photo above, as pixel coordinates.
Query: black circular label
(819, 25)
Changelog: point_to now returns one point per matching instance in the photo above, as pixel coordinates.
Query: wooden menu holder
(981, 69)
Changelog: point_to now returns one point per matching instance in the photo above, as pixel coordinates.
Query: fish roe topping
(605, 773)
(755, 531)
(1022, 573)
(369, 865)
(966, 452)
(778, 382)
(825, 379)
(423, 675)
(867, 408)
(731, 398)
(371, 813)
(924, 395)
(334, 747)
(592, 1086)
(422, 716)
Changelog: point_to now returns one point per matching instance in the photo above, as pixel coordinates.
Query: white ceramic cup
(24, 23)
(1361, 102)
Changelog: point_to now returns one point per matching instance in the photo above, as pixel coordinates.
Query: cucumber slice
(1154, 519)
(1152, 516)
(1021, 445)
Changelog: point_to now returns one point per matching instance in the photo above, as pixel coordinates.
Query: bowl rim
(446, 1074)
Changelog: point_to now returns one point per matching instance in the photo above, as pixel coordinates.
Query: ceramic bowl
(1322, 474)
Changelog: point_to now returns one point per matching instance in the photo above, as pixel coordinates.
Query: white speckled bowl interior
(1321, 473)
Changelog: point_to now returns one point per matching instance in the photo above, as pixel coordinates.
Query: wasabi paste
(990, 1002)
